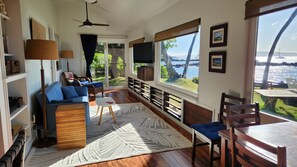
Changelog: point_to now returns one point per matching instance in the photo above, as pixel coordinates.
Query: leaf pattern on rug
(137, 131)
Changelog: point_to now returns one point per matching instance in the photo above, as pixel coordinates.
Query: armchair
(75, 80)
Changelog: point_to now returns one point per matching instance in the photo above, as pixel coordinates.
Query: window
(277, 72)
(179, 57)
(179, 61)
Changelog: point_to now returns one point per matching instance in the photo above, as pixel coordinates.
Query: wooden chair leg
(211, 149)
(193, 145)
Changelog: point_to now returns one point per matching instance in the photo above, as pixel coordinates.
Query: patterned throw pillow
(69, 75)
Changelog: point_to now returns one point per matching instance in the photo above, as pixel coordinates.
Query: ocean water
(277, 74)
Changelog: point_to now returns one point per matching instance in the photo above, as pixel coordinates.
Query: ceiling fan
(87, 22)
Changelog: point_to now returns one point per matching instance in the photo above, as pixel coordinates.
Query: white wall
(45, 13)
(211, 12)
(69, 32)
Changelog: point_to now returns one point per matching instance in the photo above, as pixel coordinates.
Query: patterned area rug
(137, 131)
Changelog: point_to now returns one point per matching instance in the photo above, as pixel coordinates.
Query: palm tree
(184, 75)
(172, 74)
(264, 84)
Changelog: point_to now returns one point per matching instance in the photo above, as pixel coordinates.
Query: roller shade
(183, 29)
(255, 8)
(140, 40)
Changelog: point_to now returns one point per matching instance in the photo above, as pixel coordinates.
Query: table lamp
(42, 50)
(67, 54)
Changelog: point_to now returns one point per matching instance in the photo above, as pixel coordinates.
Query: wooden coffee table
(105, 102)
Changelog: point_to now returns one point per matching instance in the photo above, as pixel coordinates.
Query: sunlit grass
(183, 83)
(281, 109)
(119, 81)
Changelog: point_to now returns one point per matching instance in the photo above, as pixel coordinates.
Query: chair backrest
(66, 78)
(248, 151)
(243, 115)
(228, 100)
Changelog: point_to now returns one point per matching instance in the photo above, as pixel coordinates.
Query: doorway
(108, 65)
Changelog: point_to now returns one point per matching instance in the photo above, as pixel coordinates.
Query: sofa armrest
(61, 101)
(81, 90)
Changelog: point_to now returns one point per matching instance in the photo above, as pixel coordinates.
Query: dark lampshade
(66, 54)
(41, 49)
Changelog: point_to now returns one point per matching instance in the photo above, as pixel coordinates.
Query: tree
(172, 74)
(264, 84)
(184, 75)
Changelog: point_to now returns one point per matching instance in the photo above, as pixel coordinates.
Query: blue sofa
(57, 95)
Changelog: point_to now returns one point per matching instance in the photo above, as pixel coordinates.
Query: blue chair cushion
(210, 130)
(69, 92)
(96, 84)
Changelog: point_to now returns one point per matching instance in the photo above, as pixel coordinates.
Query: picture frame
(217, 62)
(218, 35)
(37, 30)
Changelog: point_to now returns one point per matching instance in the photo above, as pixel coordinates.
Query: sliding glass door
(109, 64)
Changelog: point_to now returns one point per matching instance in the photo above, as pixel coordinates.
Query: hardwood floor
(179, 158)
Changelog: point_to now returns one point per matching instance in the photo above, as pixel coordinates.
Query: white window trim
(168, 86)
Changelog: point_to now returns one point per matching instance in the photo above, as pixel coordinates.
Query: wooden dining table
(284, 134)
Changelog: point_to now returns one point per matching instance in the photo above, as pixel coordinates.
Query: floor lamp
(67, 54)
(42, 50)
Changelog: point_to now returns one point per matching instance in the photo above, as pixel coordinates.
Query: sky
(269, 26)
(184, 43)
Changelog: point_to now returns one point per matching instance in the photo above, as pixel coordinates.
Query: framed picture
(218, 35)
(38, 31)
(217, 62)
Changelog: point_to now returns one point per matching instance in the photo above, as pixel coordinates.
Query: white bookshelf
(14, 85)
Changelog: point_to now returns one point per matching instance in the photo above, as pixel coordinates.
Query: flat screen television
(143, 52)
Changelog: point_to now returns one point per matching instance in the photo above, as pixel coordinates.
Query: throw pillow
(69, 92)
(69, 75)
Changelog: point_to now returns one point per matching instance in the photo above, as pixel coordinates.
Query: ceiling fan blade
(81, 25)
(78, 20)
(91, 1)
(98, 24)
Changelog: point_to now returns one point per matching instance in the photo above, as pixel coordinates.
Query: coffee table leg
(100, 115)
(112, 114)
(98, 110)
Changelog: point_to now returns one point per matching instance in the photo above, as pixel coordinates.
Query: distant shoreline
(276, 64)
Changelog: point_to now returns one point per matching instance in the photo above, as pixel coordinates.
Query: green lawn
(119, 81)
(183, 83)
(281, 109)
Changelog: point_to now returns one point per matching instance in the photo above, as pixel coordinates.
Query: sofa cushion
(69, 92)
(80, 99)
(53, 92)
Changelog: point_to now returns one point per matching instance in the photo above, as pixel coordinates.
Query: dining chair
(248, 151)
(208, 133)
(243, 115)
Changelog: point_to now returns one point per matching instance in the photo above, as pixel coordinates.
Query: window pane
(280, 66)
(179, 62)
